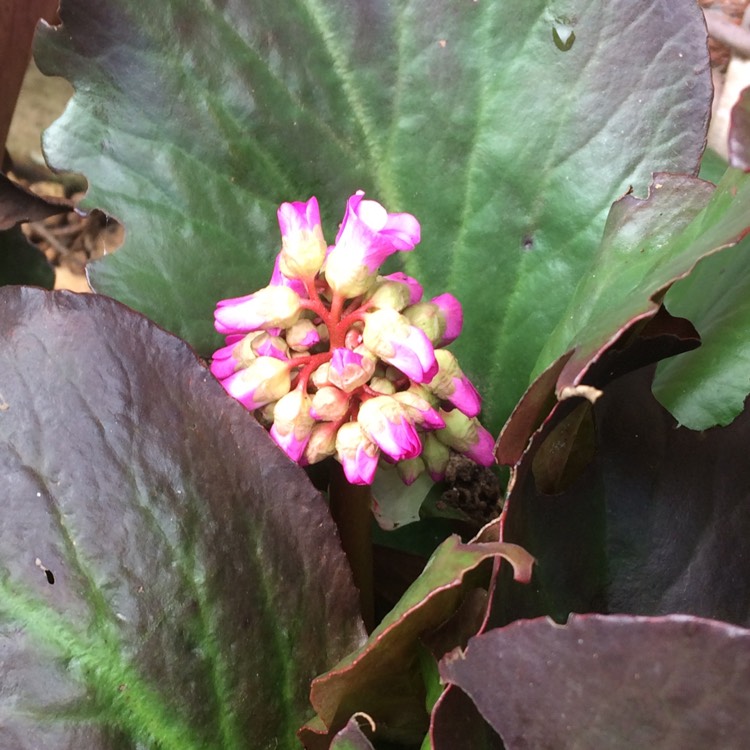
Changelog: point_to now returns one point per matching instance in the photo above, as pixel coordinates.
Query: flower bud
(234, 356)
(303, 248)
(452, 385)
(266, 345)
(419, 409)
(427, 317)
(390, 336)
(435, 456)
(386, 423)
(453, 316)
(356, 453)
(319, 377)
(323, 332)
(322, 443)
(391, 294)
(266, 379)
(349, 370)
(353, 337)
(270, 307)
(382, 385)
(292, 423)
(415, 288)
(467, 436)
(329, 404)
(410, 469)
(302, 335)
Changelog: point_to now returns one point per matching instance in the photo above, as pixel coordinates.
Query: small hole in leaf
(47, 572)
(528, 242)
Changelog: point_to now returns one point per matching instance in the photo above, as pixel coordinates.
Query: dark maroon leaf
(661, 336)
(21, 262)
(739, 133)
(620, 683)
(456, 723)
(168, 578)
(657, 523)
(18, 204)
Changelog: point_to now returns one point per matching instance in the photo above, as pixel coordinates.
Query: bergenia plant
(337, 360)
(170, 580)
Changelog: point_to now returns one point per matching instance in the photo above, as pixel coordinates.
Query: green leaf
(713, 166)
(168, 578)
(647, 244)
(396, 504)
(708, 386)
(508, 149)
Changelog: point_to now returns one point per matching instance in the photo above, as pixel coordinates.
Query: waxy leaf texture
(654, 525)
(508, 147)
(168, 578)
(673, 683)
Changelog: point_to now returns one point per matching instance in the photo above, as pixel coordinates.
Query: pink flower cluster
(339, 361)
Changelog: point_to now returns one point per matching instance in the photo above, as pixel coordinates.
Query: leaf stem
(352, 513)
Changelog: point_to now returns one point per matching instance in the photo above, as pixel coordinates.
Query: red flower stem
(308, 365)
(317, 307)
(352, 513)
(336, 331)
(349, 320)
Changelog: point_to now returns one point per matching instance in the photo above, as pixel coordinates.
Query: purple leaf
(673, 683)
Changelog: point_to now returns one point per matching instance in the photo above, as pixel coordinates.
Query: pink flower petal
(293, 446)
(414, 356)
(384, 420)
(415, 288)
(483, 451)
(223, 364)
(278, 279)
(368, 235)
(298, 216)
(465, 397)
(452, 313)
(356, 453)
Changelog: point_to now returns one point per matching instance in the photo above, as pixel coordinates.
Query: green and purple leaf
(610, 682)
(648, 244)
(168, 578)
(351, 737)
(383, 677)
(507, 136)
(709, 387)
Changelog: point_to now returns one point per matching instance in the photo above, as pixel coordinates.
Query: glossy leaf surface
(383, 678)
(168, 578)
(506, 144)
(648, 244)
(616, 682)
(708, 386)
(654, 525)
